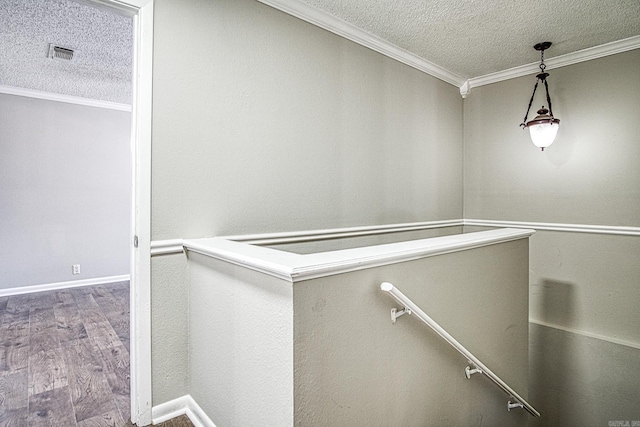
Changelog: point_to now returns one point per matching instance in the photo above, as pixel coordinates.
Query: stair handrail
(411, 308)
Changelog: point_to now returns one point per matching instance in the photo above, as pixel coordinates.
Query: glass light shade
(543, 129)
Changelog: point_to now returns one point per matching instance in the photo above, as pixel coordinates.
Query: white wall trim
(140, 348)
(175, 246)
(350, 32)
(140, 295)
(332, 233)
(184, 405)
(555, 62)
(573, 228)
(166, 247)
(587, 334)
(63, 285)
(295, 268)
(57, 97)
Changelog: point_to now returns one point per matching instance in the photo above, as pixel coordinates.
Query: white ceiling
(462, 39)
(102, 65)
(472, 38)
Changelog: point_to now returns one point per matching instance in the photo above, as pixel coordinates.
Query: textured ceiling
(472, 38)
(102, 65)
(469, 38)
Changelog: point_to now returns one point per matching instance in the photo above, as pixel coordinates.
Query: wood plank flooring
(64, 358)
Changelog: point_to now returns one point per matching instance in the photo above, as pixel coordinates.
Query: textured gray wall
(260, 346)
(581, 381)
(241, 344)
(590, 175)
(169, 328)
(65, 192)
(264, 123)
(354, 367)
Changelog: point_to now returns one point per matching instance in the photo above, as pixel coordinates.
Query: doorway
(140, 294)
(141, 13)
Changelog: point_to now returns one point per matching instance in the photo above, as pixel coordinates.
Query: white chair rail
(516, 401)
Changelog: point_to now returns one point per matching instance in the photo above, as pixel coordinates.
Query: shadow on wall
(556, 302)
(575, 380)
(550, 361)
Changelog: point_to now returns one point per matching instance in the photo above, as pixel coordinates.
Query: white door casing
(140, 294)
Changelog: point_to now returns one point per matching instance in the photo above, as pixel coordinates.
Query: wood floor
(64, 357)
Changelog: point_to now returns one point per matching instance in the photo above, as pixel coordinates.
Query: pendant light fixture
(544, 127)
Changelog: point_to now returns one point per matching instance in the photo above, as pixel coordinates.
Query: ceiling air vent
(61, 53)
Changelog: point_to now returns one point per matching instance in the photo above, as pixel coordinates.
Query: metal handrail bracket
(478, 366)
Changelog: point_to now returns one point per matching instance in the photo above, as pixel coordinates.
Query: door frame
(140, 287)
(141, 394)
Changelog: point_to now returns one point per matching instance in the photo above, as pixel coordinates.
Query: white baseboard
(63, 285)
(184, 405)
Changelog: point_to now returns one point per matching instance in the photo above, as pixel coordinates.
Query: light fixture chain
(546, 86)
(544, 127)
(524, 122)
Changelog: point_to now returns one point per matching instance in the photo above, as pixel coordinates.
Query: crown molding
(114, 6)
(57, 97)
(551, 63)
(350, 32)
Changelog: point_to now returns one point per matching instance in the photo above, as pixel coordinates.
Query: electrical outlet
(76, 268)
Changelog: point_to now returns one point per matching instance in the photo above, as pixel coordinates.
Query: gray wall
(588, 176)
(264, 123)
(353, 367)
(65, 189)
(587, 283)
(323, 352)
(241, 344)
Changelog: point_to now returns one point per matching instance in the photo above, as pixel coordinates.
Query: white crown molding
(551, 63)
(184, 405)
(63, 285)
(115, 6)
(350, 32)
(465, 89)
(344, 29)
(50, 96)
